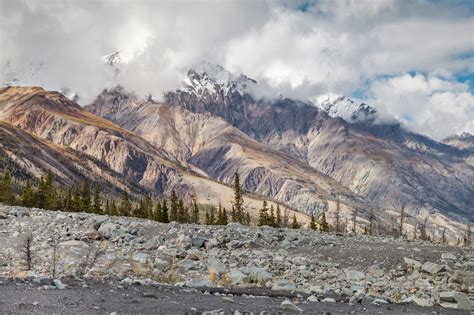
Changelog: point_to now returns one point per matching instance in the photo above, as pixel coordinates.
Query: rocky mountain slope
(59, 121)
(464, 141)
(386, 164)
(219, 150)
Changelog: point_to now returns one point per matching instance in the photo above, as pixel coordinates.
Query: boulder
(455, 300)
(287, 305)
(214, 265)
(284, 285)
(197, 283)
(58, 284)
(352, 275)
(412, 262)
(111, 230)
(236, 276)
(259, 275)
(198, 242)
(448, 256)
(141, 258)
(432, 268)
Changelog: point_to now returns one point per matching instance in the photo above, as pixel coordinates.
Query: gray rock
(448, 256)
(352, 275)
(3, 215)
(432, 268)
(259, 275)
(287, 305)
(198, 242)
(312, 298)
(197, 283)
(412, 262)
(329, 300)
(456, 300)
(141, 257)
(111, 230)
(216, 266)
(58, 284)
(236, 276)
(284, 285)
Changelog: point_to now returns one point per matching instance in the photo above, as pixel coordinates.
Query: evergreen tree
(208, 217)
(140, 211)
(6, 192)
(97, 201)
(107, 207)
(212, 216)
(312, 224)
(278, 222)
(86, 203)
(295, 224)
(220, 215)
(238, 199)
(324, 226)
(125, 205)
(164, 209)
(247, 219)
(27, 197)
(263, 215)
(195, 213)
(234, 215)
(113, 208)
(41, 194)
(271, 219)
(182, 215)
(225, 220)
(76, 200)
(149, 207)
(50, 191)
(67, 202)
(174, 207)
(158, 213)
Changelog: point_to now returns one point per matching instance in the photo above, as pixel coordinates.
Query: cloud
(300, 48)
(428, 104)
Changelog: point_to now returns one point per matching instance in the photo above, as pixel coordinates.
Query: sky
(412, 60)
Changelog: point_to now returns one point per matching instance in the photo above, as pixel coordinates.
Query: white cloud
(333, 46)
(427, 104)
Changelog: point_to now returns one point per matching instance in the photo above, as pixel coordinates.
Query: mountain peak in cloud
(341, 106)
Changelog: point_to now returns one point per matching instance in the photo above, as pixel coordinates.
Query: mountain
(61, 123)
(219, 149)
(464, 141)
(386, 164)
(345, 108)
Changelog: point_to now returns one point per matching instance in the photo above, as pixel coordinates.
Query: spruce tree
(165, 214)
(278, 222)
(149, 207)
(41, 194)
(233, 215)
(158, 213)
(324, 226)
(86, 203)
(271, 219)
(97, 201)
(182, 217)
(212, 216)
(50, 190)
(125, 205)
(225, 219)
(247, 219)
(174, 207)
(238, 199)
(195, 213)
(312, 224)
(208, 217)
(107, 207)
(76, 200)
(27, 197)
(263, 215)
(6, 192)
(113, 208)
(67, 201)
(220, 215)
(140, 211)
(295, 224)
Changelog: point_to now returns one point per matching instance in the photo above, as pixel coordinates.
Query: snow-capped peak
(340, 106)
(212, 79)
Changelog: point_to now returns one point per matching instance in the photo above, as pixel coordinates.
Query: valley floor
(23, 297)
(134, 265)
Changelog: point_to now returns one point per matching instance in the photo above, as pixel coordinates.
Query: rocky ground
(132, 265)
